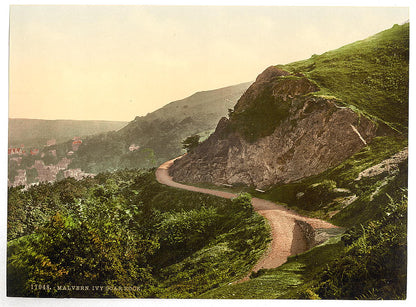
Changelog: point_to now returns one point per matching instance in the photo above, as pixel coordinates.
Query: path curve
(287, 239)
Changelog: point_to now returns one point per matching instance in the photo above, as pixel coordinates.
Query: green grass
(367, 262)
(219, 262)
(371, 74)
(284, 281)
(367, 208)
(318, 203)
(371, 77)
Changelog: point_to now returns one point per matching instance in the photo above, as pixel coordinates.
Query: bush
(191, 142)
(126, 229)
(243, 204)
(374, 263)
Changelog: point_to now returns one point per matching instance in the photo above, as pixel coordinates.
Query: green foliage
(243, 204)
(191, 142)
(187, 229)
(374, 198)
(96, 243)
(373, 265)
(367, 262)
(124, 229)
(284, 281)
(321, 192)
(228, 257)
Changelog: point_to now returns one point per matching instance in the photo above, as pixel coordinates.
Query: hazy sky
(116, 62)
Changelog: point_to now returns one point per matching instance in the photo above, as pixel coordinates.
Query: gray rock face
(315, 136)
(308, 233)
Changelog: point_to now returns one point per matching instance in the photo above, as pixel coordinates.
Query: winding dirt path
(287, 239)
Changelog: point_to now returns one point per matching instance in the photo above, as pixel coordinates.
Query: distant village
(45, 173)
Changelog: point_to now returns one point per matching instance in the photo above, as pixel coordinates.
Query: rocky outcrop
(388, 166)
(313, 135)
(308, 233)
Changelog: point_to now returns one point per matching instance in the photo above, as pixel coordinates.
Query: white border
(4, 17)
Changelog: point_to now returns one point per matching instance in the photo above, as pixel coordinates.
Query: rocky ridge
(306, 134)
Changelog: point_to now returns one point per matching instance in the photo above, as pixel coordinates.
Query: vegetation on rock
(191, 142)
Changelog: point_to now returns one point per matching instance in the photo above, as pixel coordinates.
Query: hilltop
(370, 76)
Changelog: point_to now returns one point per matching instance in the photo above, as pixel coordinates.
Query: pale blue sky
(116, 62)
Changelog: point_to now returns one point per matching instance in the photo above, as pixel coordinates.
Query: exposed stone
(76, 173)
(271, 72)
(390, 165)
(315, 136)
(269, 83)
(305, 144)
(308, 233)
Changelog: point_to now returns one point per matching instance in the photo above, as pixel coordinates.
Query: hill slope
(359, 89)
(157, 136)
(371, 75)
(341, 158)
(300, 119)
(35, 132)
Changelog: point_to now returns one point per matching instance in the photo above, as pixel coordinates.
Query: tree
(191, 142)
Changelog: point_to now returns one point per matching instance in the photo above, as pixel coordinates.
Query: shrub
(243, 203)
(191, 142)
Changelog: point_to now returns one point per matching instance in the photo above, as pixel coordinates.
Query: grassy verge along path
(287, 238)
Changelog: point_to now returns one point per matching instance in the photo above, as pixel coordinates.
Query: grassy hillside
(371, 75)
(326, 195)
(35, 132)
(367, 262)
(280, 282)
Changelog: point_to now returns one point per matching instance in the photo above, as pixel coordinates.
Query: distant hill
(103, 146)
(36, 132)
(157, 136)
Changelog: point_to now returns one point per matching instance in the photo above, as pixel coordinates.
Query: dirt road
(287, 239)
